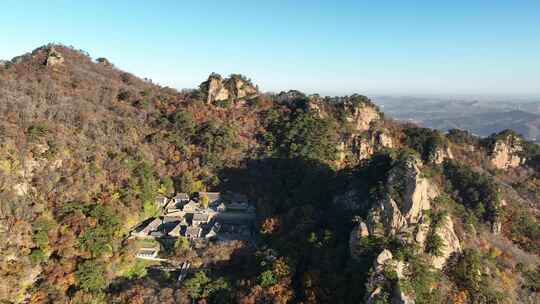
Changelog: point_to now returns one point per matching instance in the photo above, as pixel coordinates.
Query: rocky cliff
(404, 211)
(361, 115)
(366, 136)
(234, 88)
(408, 196)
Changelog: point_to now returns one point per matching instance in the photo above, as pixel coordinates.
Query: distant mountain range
(480, 117)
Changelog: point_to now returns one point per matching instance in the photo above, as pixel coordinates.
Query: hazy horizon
(452, 50)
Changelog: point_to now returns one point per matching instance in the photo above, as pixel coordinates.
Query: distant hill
(482, 118)
(485, 124)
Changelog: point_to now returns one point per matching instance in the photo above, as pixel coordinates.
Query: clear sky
(459, 47)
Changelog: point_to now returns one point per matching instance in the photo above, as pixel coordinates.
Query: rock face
(505, 153)
(404, 211)
(440, 155)
(451, 242)
(367, 138)
(216, 90)
(53, 57)
(233, 88)
(362, 139)
(371, 142)
(361, 115)
(408, 196)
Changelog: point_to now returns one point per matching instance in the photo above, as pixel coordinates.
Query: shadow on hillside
(313, 230)
(280, 182)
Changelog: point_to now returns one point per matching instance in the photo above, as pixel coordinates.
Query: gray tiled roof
(201, 217)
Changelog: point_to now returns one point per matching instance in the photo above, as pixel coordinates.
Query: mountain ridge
(351, 205)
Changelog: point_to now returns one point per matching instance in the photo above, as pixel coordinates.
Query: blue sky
(331, 47)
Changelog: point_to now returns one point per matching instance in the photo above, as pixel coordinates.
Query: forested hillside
(352, 207)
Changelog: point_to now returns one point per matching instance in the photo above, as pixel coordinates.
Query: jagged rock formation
(370, 142)
(366, 138)
(439, 155)
(505, 152)
(234, 88)
(404, 211)
(53, 57)
(409, 195)
(360, 115)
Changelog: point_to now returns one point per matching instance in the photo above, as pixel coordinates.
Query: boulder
(104, 62)
(215, 90)
(383, 258)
